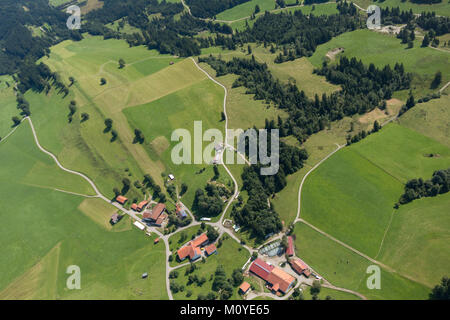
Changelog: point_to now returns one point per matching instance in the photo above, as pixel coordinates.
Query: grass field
(344, 268)
(423, 224)
(381, 49)
(430, 119)
(34, 256)
(441, 8)
(230, 255)
(351, 195)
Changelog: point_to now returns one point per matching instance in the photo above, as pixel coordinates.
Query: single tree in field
(437, 80)
(102, 81)
(222, 116)
(138, 136)
(184, 188)
(72, 81)
(249, 49)
(84, 117)
(121, 63)
(257, 9)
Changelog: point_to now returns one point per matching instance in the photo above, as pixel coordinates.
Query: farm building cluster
(193, 249)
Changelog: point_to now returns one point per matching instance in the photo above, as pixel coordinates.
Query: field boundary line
(297, 217)
(385, 233)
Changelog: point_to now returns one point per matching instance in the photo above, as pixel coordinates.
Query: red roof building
(244, 287)
(300, 267)
(210, 249)
(141, 205)
(276, 277)
(121, 199)
(157, 211)
(134, 207)
(290, 247)
(192, 249)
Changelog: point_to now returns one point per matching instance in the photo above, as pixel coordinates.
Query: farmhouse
(277, 279)
(134, 207)
(156, 214)
(141, 205)
(192, 249)
(244, 287)
(290, 247)
(210, 249)
(121, 199)
(300, 267)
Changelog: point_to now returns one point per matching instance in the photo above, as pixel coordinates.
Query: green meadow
(430, 119)
(43, 231)
(245, 9)
(352, 194)
(381, 49)
(230, 255)
(441, 8)
(345, 269)
(417, 241)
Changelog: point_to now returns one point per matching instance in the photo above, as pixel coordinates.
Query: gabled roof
(142, 204)
(157, 210)
(300, 267)
(261, 268)
(188, 251)
(210, 249)
(244, 286)
(134, 206)
(147, 214)
(121, 199)
(201, 239)
(290, 248)
(281, 278)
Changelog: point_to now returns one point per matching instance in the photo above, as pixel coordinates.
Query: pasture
(345, 269)
(430, 119)
(35, 256)
(352, 194)
(381, 49)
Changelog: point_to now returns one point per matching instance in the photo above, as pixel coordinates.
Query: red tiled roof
(147, 214)
(261, 268)
(210, 249)
(134, 206)
(244, 287)
(299, 266)
(142, 204)
(201, 239)
(161, 218)
(121, 199)
(280, 279)
(290, 248)
(157, 210)
(188, 250)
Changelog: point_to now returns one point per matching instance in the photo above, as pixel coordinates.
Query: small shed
(144, 275)
(244, 287)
